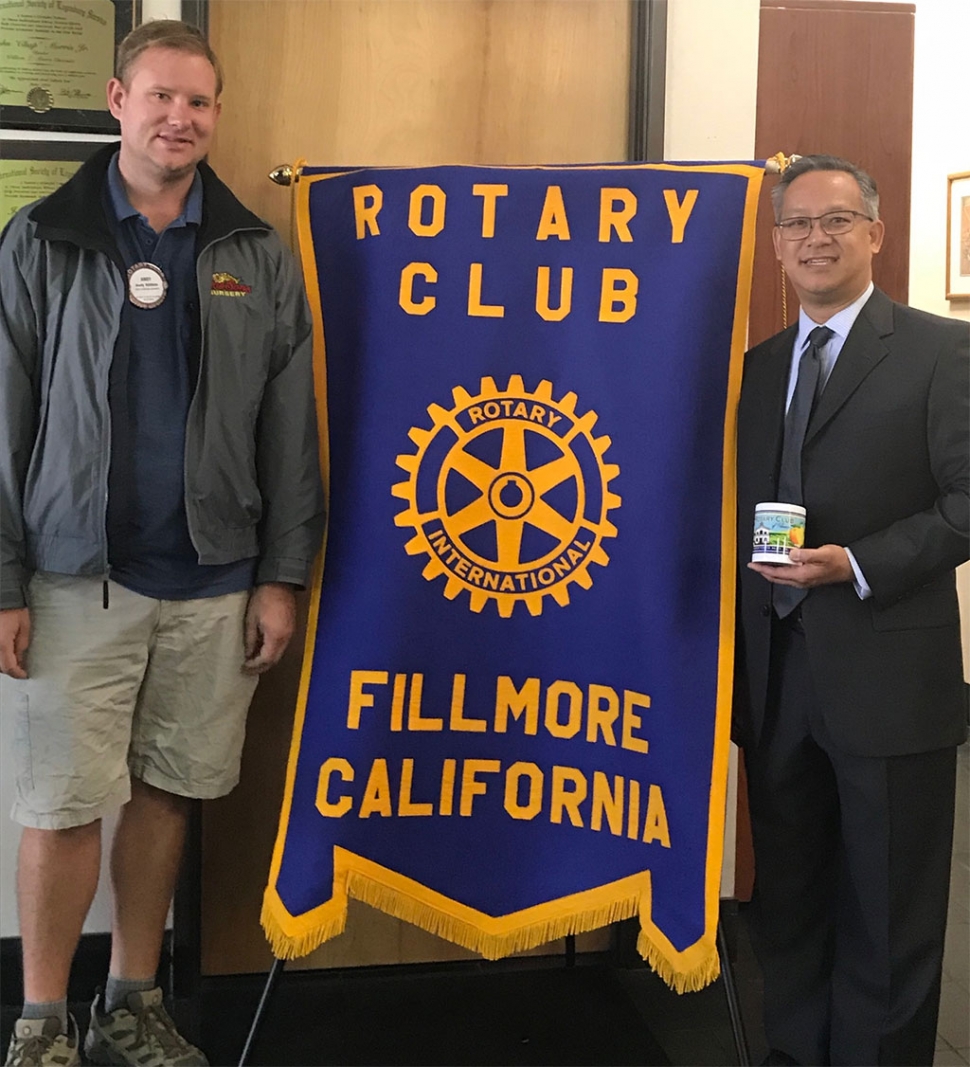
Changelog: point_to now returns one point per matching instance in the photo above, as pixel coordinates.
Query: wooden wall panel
(383, 82)
(836, 76)
(415, 82)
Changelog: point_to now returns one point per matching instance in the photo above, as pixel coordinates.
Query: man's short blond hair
(164, 33)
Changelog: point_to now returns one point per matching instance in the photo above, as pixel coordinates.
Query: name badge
(147, 285)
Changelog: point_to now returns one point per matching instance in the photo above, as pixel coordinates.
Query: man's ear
(776, 242)
(877, 231)
(116, 96)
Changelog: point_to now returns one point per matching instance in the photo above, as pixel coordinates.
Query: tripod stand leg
(271, 982)
(734, 1006)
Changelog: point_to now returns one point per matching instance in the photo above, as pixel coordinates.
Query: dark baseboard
(88, 972)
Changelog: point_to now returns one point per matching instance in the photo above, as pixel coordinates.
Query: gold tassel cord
(778, 164)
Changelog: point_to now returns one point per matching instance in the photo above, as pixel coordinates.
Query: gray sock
(47, 1009)
(117, 990)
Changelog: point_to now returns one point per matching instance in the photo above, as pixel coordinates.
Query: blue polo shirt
(153, 379)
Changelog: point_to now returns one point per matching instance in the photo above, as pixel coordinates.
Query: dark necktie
(787, 598)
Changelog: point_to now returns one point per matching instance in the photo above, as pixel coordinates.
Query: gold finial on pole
(289, 174)
(779, 163)
(283, 174)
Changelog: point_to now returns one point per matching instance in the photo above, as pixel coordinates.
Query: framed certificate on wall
(32, 169)
(56, 57)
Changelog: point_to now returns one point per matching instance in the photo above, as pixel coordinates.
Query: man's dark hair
(164, 33)
(870, 195)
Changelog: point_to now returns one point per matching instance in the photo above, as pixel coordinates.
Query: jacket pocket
(934, 604)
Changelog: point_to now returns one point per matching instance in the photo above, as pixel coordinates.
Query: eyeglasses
(832, 223)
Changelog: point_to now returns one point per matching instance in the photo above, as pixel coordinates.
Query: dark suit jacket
(886, 473)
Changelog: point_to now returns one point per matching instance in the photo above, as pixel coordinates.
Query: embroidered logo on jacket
(228, 285)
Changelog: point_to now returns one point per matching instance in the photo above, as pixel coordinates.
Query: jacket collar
(75, 213)
(864, 348)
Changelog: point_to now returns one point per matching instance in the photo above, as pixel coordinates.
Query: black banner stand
(272, 980)
(727, 974)
(733, 1003)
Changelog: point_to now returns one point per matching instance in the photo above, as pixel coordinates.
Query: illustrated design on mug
(778, 528)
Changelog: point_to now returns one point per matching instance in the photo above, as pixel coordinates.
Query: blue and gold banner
(514, 711)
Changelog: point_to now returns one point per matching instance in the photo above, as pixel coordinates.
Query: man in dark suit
(850, 697)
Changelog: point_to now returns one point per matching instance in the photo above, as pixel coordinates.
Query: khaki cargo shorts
(147, 688)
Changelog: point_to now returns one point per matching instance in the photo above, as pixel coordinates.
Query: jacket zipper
(198, 379)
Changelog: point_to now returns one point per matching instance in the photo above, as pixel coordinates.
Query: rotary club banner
(514, 712)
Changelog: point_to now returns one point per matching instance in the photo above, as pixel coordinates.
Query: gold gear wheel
(508, 495)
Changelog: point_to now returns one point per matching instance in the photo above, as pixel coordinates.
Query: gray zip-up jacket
(252, 475)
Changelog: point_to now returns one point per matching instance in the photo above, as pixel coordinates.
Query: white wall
(712, 79)
(941, 146)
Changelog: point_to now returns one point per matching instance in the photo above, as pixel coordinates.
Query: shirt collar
(840, 323)
(121, 205)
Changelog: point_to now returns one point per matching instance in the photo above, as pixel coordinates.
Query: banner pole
(272, 980)
(733, 1003)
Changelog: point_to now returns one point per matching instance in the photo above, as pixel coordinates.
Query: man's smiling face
(828, 272)
(167, 111)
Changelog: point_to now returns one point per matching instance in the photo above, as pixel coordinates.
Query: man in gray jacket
(161, 501)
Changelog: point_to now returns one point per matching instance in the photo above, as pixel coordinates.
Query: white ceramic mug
(778, 528)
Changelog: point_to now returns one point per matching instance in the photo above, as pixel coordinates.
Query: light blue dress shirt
(840, 324)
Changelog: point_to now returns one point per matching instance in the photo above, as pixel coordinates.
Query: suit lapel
(864, 348)
(771, 390)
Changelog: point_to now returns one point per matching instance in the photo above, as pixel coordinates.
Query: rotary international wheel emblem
(508, 495)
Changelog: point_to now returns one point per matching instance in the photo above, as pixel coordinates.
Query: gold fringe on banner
(291, 937)
(682, 982)
(491, 946)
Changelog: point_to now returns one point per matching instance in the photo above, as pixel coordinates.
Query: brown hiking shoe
(37, 1042)
(140, 1035)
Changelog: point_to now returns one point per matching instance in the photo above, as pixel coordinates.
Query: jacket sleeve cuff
(290, 571)
(13, 591)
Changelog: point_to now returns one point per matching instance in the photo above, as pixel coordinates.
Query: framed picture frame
(958, 236)
(55, 63)
(32, 169)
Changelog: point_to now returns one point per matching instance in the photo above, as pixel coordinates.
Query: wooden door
(383, 82)
(835, 76)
